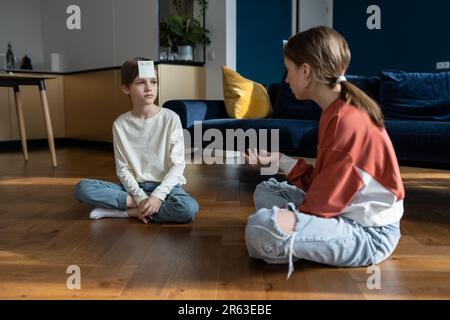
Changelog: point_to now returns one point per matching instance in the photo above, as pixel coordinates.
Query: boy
(149, 154)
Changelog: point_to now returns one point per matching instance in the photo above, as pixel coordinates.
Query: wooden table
(16, 80)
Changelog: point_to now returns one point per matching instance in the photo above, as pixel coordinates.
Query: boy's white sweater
(149, 150)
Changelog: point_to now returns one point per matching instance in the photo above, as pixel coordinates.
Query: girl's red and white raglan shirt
(356, 174)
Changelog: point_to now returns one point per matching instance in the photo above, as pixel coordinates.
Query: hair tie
(341, 79)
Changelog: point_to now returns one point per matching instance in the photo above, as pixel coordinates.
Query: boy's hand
(264, 158)
(142, 218)
(148, 207)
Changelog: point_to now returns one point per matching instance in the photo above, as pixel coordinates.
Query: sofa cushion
(191, 111)
(420, 140)
(296, 136)
(370, 85)
(288, 107)
(244, 99)
(419, 96)
(273, 92)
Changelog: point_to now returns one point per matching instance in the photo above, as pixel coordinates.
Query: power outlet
(443, 65)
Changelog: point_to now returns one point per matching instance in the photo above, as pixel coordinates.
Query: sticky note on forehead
(146, 69)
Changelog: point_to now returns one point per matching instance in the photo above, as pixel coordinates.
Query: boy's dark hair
(130, 70)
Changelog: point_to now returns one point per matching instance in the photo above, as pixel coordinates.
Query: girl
(346, 210)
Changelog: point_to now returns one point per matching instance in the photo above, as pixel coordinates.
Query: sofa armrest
(197, 110)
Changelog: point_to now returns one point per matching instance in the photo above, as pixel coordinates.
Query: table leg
(48, 125)
(21, 122)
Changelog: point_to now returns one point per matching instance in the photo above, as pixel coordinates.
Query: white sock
(99, 213)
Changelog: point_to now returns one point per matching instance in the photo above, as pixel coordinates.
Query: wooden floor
(43, 230)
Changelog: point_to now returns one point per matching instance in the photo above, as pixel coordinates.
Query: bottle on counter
(10, 64)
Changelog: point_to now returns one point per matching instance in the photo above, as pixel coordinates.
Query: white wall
(313, 13)
(221, 22)
(20, 24)
(136, 30)
(88, 48)
(111, 32)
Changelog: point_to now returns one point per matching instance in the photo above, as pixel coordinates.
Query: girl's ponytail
(351, 94)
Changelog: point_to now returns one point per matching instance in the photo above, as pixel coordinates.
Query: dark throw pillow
(419, 96)
(370, 85)
(288, 107)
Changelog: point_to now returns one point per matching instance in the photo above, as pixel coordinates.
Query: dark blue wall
(261, 28)
(414, 35)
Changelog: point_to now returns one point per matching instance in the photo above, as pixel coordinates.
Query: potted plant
(165, 41)
(181, 31)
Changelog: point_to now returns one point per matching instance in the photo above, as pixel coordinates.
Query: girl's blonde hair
(328, 54)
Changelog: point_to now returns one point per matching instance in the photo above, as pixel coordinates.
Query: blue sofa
(416, 107)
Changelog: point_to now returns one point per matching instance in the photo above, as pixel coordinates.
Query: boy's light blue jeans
(179, 206)
(338, 241)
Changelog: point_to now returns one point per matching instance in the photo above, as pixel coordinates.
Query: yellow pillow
(244, 99)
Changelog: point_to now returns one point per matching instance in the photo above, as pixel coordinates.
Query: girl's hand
(264, 158)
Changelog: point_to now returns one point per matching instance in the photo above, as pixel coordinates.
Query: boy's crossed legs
(112, 200)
